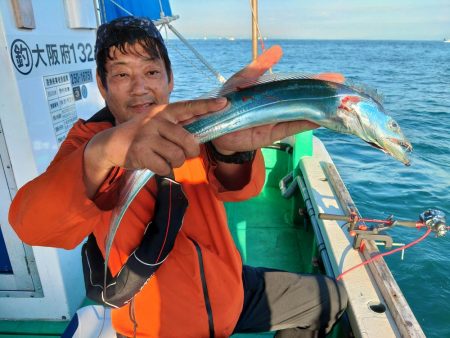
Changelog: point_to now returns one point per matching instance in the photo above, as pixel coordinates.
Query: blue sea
(414, 79)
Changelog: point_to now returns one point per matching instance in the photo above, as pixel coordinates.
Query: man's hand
(160, 142)
(154, 140)
(257, 137)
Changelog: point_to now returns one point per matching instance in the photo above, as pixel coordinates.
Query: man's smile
(141, 107)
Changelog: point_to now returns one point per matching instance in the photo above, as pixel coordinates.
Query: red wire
(385, 254)
(168, 223)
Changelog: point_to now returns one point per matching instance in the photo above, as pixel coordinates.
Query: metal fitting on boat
(435, 219)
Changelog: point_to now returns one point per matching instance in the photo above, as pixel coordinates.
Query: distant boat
(446, 40)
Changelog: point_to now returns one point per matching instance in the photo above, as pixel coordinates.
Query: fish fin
(369, 91)
(228, 88)
(215, 93)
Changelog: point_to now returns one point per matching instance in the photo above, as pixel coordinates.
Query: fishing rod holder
(360, 235)
(432, 218)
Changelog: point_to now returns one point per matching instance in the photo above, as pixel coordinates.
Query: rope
(257, 27)
(161, 12)
(122, 8)
(404, 247)
(219, 77)
(192, 64)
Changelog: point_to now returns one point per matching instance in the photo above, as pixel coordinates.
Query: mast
(254, 4)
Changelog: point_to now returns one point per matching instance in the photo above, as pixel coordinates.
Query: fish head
(366, 118)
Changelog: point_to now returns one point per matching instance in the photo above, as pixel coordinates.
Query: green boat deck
(267, 229)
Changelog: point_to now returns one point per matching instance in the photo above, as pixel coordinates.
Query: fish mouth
(405, 145)
(397, 148)
(400, 149)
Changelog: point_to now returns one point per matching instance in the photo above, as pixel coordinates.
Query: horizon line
(231, 38)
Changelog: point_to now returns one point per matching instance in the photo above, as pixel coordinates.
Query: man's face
(134, 82)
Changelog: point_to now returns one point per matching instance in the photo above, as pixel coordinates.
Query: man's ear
(100, 85)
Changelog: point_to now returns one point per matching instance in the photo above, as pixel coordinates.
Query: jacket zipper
(205, 289)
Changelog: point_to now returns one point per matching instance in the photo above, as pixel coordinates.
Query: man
(200, 289)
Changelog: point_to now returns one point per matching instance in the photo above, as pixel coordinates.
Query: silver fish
(274, 98)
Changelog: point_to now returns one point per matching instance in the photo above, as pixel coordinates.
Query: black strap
(236, 158)
(156, 244)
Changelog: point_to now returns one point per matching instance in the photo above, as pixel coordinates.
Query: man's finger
(171, 153)
(186, 110)
(179, 136)
(158, 165)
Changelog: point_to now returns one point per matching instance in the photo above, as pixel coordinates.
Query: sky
(319, 19)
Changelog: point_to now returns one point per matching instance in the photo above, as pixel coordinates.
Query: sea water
(414, 78)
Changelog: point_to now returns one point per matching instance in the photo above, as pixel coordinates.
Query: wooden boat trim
(374, 286)
(395, 300)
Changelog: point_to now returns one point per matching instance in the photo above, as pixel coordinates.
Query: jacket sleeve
(251, 189)
(53, 209)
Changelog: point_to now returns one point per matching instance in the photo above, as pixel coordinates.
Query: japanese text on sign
(40, 55)
(61, 104)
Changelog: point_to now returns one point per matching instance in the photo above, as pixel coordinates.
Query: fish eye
(393, 125)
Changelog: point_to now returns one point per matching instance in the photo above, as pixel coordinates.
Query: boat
(446, 40)
(48, 82)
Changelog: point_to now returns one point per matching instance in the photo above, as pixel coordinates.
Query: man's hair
(124, 33)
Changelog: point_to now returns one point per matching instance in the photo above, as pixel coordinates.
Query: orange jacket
(53, 210)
